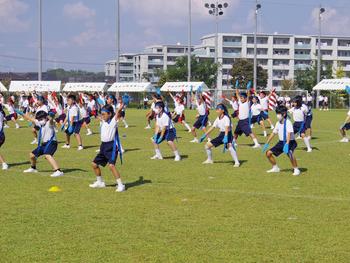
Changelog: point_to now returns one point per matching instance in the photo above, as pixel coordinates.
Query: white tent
(85, 87)
(2, 87)
(332, 84)
(39, 86)
(183, 86)
(132, 87)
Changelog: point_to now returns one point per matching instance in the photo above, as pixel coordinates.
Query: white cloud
(78, 11)
(333, 21)
(10, 12)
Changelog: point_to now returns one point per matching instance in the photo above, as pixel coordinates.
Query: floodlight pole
(117, 69)
(257, 7)
(189, 51)
(40, 43)
(321, 11)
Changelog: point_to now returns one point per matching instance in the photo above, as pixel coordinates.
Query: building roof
(332, 84)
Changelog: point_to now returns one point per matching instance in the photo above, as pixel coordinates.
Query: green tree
(339, 71)
(245, 68)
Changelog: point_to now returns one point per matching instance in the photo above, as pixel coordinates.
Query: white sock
(275, 166)
(187, 126)
(233, 154)
(99, 179)
(124, 121)
(121, 148)
(296, 169)
(265, 133)
(176, 153)
(307, 143)
(209, 153)
(119, 181)
(89, 131)
(309, 137)
(255, 140)
(158, 153)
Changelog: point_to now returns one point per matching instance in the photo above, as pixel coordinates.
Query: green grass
(178, 212)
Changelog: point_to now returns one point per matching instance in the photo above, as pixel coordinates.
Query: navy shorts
(201, 122)
(308, 122)
(37, 128)
(87, 120)
(9, 117)
(106, 154)
(255, 119)
(76, 128)
(122, 114)
(299, 127)
(277, 150)
(179, 118)
(46, 149)
(235, 114)
(264, 115)
(347, 126)
(60, 118)
(218, 140)
(243, 127)
(2, 138)
(169, 136)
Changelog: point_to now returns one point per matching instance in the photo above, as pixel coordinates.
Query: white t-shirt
(25, 103)
(256, 109)
(299, 114)
(309, 98)
(234, 105)
(164, 121)
(320, 98)
(325, 99)
(91, 104)
(108, 130)
(222, 123)
(153, 106)
(73, 112)
(201, 108)
(279, 129)
(83, 112)
(179, 109)
(47, 131)
(59, 109)
(42, 108)
(264, 102)
(243, 110)
(349, 113)
(10, 108)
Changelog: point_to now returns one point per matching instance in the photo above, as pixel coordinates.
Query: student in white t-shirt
(325, 103)
(256, 110)
(178, 115)
(150, 115)
(345, 127)
(223, 123)
(264, 102)
(320, 102)
(286, 143)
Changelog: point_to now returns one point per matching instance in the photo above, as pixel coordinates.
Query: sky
(80, 34)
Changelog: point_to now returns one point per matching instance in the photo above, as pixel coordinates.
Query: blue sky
(84, 30)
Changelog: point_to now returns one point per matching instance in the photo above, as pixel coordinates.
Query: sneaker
(35, 141)
(177, 158)
(127, 126)
(5, 166)
(309, 150)
(80, 148)
(265, 134)
(208, 162)
(21, 119)
(256, 146)
(274, 170)
(252, 126)
(189, 131)
(298, 138)
(156, 157)
(123, 151)
(147, 127)
(57, 174)
(98, 150)
(195, 140)
(344, 140)
(237, 165)
(120, 188)
(89, 133)
(30, 170)
(98, 184)
(6, 126)
(296, 172)
(66, 146)
(17, 126)
(272, 127)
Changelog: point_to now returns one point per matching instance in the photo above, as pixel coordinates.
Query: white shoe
(272, 127)
(89, 133)
(6, 126)
(265, 134)
(97, 151)
(309, 150)
(123, 151)
(80, 148)
(66, 146)
(21, 119)
(256, 146)
(127, 126)
(35, 141)
(5, 166)
(298, 138)
(189, 131)
(17, 126)
(156, 157)
(98, 184)
(252, 126)
(147, 127)
(177, 158)
(195, 140)
(209, 140)
(30, 170)
(296, 172)
(237, 165)
(120, 188)
(56, 131)
(57, 174)
(274, 170)
(344, 140)
(208, 162)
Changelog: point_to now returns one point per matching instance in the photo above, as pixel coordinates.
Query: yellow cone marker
(54, 189)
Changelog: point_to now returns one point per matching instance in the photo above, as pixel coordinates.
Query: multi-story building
(126, 68)
(280, 54)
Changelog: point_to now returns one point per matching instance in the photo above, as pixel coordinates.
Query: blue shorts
(264, 115)
(299, 127)
(122, 114)
(235, 114)
(46, 149)
(75, 128)
(243, 127)
(60, 118)
(169, 136)
(179, 118)
(218, 140)
(308, 122)
(277, 150)
(11, 116)
(201, 122)
(106, 154)
(2, 138)
(347, 126)
(87, 120)
(255, 119)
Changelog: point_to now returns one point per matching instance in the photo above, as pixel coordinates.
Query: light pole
(257, 7)
(321, 11)
(216, 9)
(189, 40)
(117, 69)
(40, 43)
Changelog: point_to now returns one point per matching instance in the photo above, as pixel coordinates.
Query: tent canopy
(183, 86)
(31, 86)
(85, 87)
(2, 87)
(332, 84)
(131, 87)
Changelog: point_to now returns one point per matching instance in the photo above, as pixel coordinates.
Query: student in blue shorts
(2, 137)
(344, 128)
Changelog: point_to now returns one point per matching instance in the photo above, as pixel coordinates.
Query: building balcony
(231, 55)
(232, 44)
(155, 62)
(302, 46)
(302, 56)
(301, 66)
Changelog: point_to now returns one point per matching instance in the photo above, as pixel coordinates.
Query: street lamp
(117, 69)
(189, 40)
(40, 42)
(321, 11)
(257, 7)
(217, 9)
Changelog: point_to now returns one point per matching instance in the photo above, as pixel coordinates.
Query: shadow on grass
(183, 157)
(132, 150)
(18, 164)
(231, 162)
(67, 171)
(303, 170)
(139, 182)
(91, 146)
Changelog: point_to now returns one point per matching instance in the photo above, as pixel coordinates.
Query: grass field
(178, 212)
